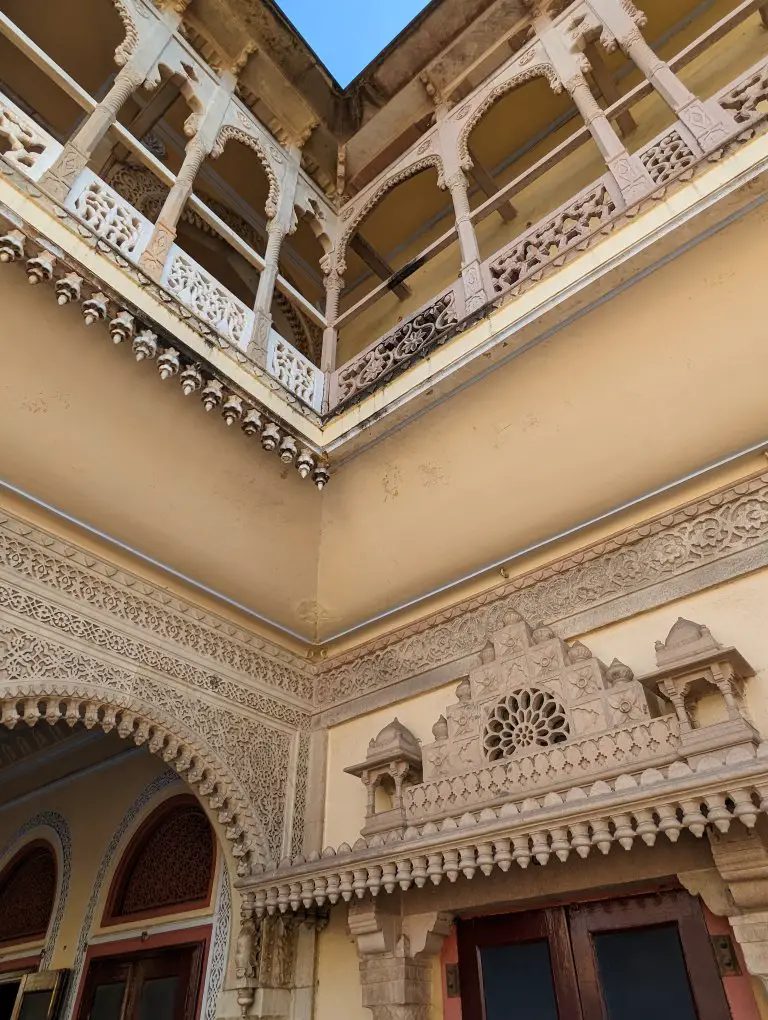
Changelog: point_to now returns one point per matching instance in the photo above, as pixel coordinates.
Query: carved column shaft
(198, 148)
(334, 284)
(707, 122)
(282, 223)
(456, 182)
(631, 177)
(74, 157)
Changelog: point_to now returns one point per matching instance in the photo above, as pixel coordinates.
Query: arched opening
(168, 866)
(27, 895)
(386, 279)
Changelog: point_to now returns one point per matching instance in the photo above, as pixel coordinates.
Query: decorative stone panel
(203, 295)
(24, 143)
(295, 372)
(108, 215)
(532, 693)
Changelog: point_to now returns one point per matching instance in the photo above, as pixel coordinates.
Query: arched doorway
(160, 901)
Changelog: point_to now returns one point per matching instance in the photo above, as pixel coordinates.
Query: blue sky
(347, 34)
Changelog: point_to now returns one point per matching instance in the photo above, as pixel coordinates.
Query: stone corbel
(737, 888)
(396, 958)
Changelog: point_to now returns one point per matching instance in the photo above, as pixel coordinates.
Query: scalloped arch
(372, 200)
(540, 70)
(182, 749)
(233, 132)
(128, 45)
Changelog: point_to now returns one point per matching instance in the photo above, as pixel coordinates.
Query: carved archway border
(376, 195)
(541, 69)
(134, 719)
(44, 825)
(237, 133)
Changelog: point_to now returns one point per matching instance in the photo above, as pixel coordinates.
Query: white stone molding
(41, 682)
(206, 298)
(216, 971)
(54, 829)
(293, 371)
(614, 776)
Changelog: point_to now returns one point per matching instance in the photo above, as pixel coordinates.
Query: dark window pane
(107, 1001)
(158, 998)
(8, 999)
(642, 974)
(34, 1005)
(517, 982)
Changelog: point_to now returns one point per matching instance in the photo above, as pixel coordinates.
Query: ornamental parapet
(542, 786)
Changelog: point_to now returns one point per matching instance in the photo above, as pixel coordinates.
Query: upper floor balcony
(284, 265)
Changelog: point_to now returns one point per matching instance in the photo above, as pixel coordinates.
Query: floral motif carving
(524, 719)
(748, 99)
(238, 764)
(207, 298)
(412, 338)
(28, 894)
(589, 212)
(698, 535)
(292, 370)
(109, 216)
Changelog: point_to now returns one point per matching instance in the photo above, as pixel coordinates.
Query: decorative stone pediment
(532, 693)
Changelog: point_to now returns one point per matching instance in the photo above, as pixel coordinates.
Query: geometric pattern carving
(168, 866)
(425, 329)
(552, 238)
(238, 765)
(524, 719)
(667, 157)
(27, 894)
(533, 693)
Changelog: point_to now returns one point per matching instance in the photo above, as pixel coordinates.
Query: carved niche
(532, 692)
(392, 763)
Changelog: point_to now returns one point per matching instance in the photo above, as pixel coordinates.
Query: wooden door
(518, 966)
(148, 986)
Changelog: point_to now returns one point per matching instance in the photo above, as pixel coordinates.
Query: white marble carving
(206, 298)
(108, 215)
(292, 370)
(23, 143)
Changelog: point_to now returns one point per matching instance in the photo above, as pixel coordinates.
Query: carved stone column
(74, 157)
(706, 121)
(154, 256)
(334, 284)
(282, 223)
(471, 276)
(396, 959)
(630, 175)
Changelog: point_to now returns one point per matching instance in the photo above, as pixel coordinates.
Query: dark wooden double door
(635, 959)
(161, 985)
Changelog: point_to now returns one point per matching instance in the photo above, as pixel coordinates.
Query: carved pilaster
(333, 281)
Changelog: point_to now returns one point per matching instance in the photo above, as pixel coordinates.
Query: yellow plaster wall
(659, 381)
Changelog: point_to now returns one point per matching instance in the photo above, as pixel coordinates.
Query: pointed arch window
(167, 867)
(27, 894)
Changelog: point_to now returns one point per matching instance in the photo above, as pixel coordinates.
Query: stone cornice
(662, 551)
(719, 790)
